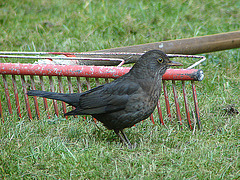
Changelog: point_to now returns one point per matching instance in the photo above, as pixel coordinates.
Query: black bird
(125, 101)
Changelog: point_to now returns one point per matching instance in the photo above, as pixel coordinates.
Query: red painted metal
(1, 111)
(16, 95)
(152, 119)
(176, 103)
(196, 105)
(167, 100)
(186, 104)
(88, 71)
(7, 94)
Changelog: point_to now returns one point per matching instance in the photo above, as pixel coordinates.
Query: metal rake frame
(21, 71)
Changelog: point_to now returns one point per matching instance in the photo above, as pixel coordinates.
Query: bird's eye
(160, 60)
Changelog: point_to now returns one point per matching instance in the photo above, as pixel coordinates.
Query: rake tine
(160, 112)
(44, 99)
(167, 100)
(88, 88)
(88, 83)
(106, 80)
(177, 103)
(70, 89)
(26, 97)
(54, 101)
(16, 96)
(79, 85)
(35, 98)
(152, 119)
(97, 81)
(70, 84)
(186, 104)
(7, 94)
(62, 91)
(97, 84)
(196, 105)
(1, 112)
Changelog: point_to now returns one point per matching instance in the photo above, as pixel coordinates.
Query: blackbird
(125, 101)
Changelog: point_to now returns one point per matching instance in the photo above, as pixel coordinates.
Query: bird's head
(154, 61)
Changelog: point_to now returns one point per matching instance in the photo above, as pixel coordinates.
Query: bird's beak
(174, 63)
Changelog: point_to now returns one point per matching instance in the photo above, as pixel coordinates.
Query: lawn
(74, 148)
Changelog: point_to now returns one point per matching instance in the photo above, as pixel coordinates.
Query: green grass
(63, 149)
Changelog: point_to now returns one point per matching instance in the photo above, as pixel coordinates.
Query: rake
(77, 78)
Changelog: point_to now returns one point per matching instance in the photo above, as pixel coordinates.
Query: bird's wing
(107, 98)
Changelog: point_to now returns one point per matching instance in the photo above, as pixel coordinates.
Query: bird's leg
(124, 139)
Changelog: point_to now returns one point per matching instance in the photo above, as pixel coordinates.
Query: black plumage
(126, 100)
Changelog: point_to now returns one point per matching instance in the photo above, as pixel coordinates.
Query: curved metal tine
(152, 119)
(26, 97)
(186, 104)
(16, 95)
(35, 98)
(97, 82)
(177, 103)
(70, 88)
(196, 106)
(1, 112)
(79, 85)
(62, 91)
(54, 101)
(7, 94)
(44, 99)
(160, 112)
(167, 100)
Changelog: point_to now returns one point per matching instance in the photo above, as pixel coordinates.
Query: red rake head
(85, 77)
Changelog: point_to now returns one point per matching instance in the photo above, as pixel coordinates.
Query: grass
(75, 149)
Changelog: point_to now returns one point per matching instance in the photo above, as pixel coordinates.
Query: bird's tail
(72, 99)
